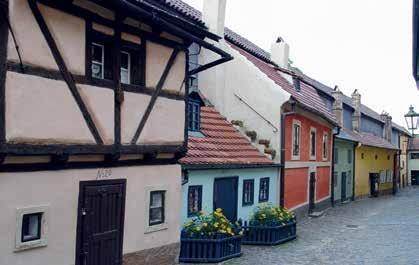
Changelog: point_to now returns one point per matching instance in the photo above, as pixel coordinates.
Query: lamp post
(412, 120)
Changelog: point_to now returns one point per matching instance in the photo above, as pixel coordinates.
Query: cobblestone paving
(381, 231)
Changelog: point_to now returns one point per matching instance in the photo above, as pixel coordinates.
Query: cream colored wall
(60, 189)
(68, 31)
(241, 77)
(40, 109)
(157, 57)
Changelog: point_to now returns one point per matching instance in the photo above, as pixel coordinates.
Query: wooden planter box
(209, 250)
(272, 234)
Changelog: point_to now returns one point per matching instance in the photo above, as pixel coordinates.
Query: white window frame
(163, 226)
(312, 129)
(43, 240)
(325, 151)
(295, 157)
(129, 67)
(103, 59)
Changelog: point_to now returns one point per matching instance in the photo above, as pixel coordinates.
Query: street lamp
(412, 120)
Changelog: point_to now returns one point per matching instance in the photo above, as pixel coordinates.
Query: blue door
(225, 196)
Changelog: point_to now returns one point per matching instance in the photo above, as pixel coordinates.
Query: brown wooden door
(100, 222)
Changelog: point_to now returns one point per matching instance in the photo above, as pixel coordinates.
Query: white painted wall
(60, 190)
(241, 77)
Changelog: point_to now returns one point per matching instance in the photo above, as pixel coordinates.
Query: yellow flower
(216, 225)
(229, 230)
(204, 224)
(218, 210)
(202, 213)
(223, 231)
(198, 229)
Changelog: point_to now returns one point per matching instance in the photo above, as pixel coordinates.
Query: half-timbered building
(92, 123)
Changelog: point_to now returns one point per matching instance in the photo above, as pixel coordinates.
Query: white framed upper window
(31, 227)
(125, 67)
(313, 143)
(325, 146)
(296, 140)
(98, 61)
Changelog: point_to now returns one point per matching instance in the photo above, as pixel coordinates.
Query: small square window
(248, 192)
(194, 200)
(31, 227)
(264, 190)
(156, 207)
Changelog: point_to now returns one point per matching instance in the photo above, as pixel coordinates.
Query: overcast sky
(356, 44)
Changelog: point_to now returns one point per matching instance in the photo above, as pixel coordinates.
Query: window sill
(30, 245)
(246, 205)
(295, 158)
(156, 228)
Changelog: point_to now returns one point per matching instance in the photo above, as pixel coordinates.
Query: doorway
(312, 192)
(343, 186)
(225, 196)
(100, 222)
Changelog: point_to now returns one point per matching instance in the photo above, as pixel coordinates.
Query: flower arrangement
(208, 226)
(267, 214)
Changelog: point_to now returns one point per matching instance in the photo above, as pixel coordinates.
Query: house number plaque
(104, 173)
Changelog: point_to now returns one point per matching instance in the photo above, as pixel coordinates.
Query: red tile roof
(222, 144)
(308, 96)
(414, 143)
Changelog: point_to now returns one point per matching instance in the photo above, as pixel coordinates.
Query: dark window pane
(97, 53)
(156, 211)
(124, 60)
(156, 215)
(31, 227)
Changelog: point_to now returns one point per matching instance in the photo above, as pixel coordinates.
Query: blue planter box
(209, 249)
(272, 234)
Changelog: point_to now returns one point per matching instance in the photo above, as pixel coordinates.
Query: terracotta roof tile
(222, 144)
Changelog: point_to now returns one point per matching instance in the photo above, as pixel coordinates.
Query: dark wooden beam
(58, 149)
(85, 80)
(118, 92)
(68, 78)
(4, 35)
(155, 95)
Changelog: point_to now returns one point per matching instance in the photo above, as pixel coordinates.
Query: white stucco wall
(241, 77)
(60, 190)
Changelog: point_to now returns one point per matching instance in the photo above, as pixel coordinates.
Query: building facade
(222, 169)
(92, 124)
(413, 160)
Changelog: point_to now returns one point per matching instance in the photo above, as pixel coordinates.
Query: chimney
(280, 53)
(356, 116)
(214, 16)
(337, 107)
(388, 125)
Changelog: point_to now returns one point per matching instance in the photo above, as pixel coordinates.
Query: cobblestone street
(384, 230)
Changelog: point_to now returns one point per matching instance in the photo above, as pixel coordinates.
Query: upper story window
(264, 190)
(335, 156)
(296, 139)
(132, 67)
(248, 192)
(325, 146)
(194, 115)
(349, 156)
(194, 200)
(414, 156)
(313, 143)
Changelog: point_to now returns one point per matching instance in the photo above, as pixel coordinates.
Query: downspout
(332, 183)
(282, 129)
(353, 172)
(394, 172)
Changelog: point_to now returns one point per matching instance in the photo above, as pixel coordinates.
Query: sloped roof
(414, 144)
(370, 139)
(180, 7)
(307, 96)
(222, 145)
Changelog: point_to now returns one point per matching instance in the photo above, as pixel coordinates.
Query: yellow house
(374, 163)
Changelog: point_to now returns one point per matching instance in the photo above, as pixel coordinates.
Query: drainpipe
(332, 183)
(353, 171)
(394, 172)
(282, 128)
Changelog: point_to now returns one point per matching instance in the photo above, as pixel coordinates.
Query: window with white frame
(313, 143)
(31, 228)
(156, 210)
(125, 67)
(296, 139)
(98, 61)
(325, 146)
(264, 190)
